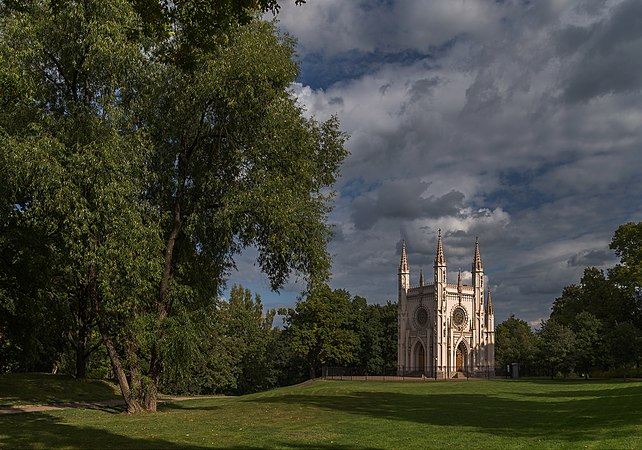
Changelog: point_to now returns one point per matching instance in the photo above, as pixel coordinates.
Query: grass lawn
(361, 415)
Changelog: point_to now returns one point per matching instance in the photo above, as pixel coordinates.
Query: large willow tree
(150, 142)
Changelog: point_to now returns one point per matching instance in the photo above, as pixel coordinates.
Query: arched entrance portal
(461, 357)
(420, 357)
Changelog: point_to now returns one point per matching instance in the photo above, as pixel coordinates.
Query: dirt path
(91, 405)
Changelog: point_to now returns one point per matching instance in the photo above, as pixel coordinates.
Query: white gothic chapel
(445, 330)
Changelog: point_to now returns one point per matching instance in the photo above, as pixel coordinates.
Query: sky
(515, 121)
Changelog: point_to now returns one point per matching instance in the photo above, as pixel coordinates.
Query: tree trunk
(133, 403)
(155, 365)
(177, 225)
(81, 362)
(150, 401)
(80, 339)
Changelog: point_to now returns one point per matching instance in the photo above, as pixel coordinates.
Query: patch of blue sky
(355, 187)
(320, 72)
(516, 191)
(517, 188)
(374, 5)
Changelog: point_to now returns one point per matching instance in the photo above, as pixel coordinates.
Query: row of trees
(143, 145)
(236, 348)
(595, 325)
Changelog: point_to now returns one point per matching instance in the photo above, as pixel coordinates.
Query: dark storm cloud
(592, 258)
(608, 54)
(403, 200)
(423, 87)
(483, 96)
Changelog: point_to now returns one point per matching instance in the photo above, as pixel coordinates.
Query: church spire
(403, 265)
(421, 278)
(440, 259)
(491, 310)
(459, 285)
(477, 263)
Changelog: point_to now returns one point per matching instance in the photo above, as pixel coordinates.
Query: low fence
(513, 371)
(411, 373)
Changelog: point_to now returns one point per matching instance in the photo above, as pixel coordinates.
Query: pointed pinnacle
(440, 259)
(477, 263)
(403, 265)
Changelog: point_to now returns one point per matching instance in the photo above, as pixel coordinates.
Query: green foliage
(74, 161)
(329, 328)
(184, 28)
(199, 356)
(32, 323)
(237, 160)
(253, 341)
(627, 243)
(319, 329)
(625, 342)
(376, 329)
(589, 344)
(596, 294)
(515, 342)
(557, 347)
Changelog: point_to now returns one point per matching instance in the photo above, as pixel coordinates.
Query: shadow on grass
(314, 445)
(34, 429)
(110, 409)
(165, 406)
(589, 414)
(42, 388)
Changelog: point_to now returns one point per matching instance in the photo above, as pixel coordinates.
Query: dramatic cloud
(515, 121)
(403, 200)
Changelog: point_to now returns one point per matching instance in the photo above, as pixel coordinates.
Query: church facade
(445, 330)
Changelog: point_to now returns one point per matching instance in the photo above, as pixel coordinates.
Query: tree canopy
(331, 328)
(515, 343)
(146, 144)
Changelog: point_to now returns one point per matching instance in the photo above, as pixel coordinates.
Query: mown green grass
(43, 388)
(361, 415)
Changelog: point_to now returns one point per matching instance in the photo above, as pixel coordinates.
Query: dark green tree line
(331, 328)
